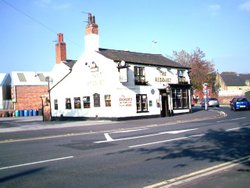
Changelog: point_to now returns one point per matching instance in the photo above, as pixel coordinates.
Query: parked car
(239, 103)
(212, 102)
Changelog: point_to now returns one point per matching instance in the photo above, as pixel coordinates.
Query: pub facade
(118, 84)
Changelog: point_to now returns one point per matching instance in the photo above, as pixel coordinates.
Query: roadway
(176, 151)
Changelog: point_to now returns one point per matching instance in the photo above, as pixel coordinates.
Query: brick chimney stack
(92, 27)
(91, 34)
(60, 49)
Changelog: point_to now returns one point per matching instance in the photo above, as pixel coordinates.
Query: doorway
(164, 104)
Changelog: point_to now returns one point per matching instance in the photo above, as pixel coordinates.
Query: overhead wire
(29, 16)
(34, 19)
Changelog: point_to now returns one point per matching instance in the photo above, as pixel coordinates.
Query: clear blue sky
(221, 28)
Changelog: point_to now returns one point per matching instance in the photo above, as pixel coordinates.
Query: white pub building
(116, 84)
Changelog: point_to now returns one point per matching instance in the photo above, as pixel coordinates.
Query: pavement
(16, 124)
(235, 174)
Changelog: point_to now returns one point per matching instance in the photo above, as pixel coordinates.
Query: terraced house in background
(116, 84)
(232, 84)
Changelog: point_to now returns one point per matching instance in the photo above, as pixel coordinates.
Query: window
(139, 74)
(96, 100)
(68, 103)
(184, 98)
(123, 75)
(77, 102)
(86, 102)
(56, 104)
(107, 99)
(141, 103)
(181, 77)
(180, 98)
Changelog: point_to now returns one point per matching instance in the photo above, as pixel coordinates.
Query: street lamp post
(205, 91)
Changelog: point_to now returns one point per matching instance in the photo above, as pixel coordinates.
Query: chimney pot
(60, 37)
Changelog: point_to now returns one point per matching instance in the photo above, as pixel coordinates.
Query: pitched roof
(140, 58)
(70, 63)
(233, 79)
(2, 77)
(29, 78)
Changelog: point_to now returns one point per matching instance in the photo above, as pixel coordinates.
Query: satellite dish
(122, 63)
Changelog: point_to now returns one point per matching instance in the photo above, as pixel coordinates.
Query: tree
(202, 70)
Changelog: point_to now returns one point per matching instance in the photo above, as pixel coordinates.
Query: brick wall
(28, 97)
(225, 99)
(60, 49)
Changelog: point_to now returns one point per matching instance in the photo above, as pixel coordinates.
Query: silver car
(212, 102)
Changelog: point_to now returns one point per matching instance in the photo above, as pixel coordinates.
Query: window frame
(141, 103)
(180, 98)
(107, 99)
(68, 104)
(97, 100)
(86, 101)
(77, 103)
(55, 104)
(139, 75)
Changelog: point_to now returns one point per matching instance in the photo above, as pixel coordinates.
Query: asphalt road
(176, 151)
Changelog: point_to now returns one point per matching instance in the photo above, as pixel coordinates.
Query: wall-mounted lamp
(168, 89)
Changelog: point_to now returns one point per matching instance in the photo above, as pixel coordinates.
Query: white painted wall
(86, 79)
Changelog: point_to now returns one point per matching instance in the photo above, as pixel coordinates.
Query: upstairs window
(181, 77)
(86, 102)
(139, 74)
(68, 103)
(142, 103)
(77, 102)
(123, 75)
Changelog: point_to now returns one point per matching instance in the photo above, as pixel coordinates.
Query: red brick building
(27, 90)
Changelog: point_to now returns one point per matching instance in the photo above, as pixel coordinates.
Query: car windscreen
(242, 100)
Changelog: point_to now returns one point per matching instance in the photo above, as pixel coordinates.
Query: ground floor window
(56, 104)
(107, 99)
(141, 102)
(180, 98)
(86, 102)
(77, 102)
(96, 100)
(68, 103)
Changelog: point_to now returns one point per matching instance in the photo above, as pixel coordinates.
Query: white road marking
(164, 141)
(233, 129)
(37, 162)
(130, 130)
(237, 128)
(108, 137)
(198, 174)
(235, 119)
(179, 131)
(137, 137)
